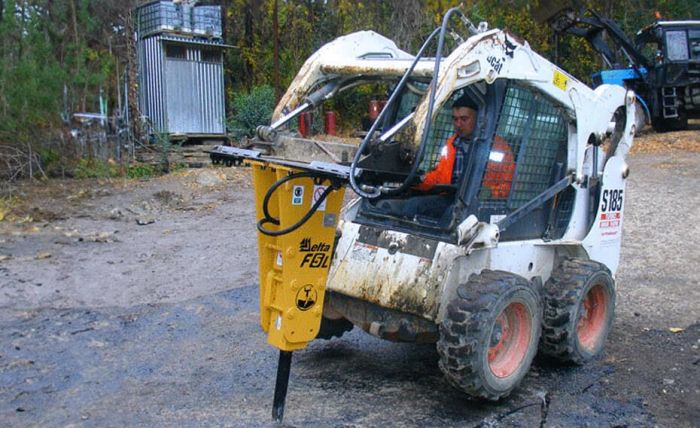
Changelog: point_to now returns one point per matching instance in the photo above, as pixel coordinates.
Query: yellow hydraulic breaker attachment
(298, 205)
(294, 261)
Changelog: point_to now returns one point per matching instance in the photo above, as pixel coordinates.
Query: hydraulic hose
(380, 118)
(421, 148)
(268, 218)
(431, 105)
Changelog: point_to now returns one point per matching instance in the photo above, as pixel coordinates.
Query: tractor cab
(674, 44)
(673, 47)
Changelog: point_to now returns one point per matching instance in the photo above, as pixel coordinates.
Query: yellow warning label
(560, 80)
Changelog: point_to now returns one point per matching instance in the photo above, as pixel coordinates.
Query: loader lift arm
(570, 18)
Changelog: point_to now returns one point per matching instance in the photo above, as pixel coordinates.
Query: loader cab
(517, 150)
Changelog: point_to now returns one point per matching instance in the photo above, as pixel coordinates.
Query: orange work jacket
(499, 169)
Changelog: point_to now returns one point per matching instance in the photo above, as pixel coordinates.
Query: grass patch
(95, 168)
(7, 204)
(142, 171)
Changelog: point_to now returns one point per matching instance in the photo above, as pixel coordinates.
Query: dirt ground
(135, 303)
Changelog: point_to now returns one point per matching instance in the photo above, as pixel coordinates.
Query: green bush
(51, 162)
(251, 109)
(95, 168)
(141, 171)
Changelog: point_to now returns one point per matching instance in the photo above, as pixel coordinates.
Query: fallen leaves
(6, 206)
(104, 237)
(70, 233)
(80, 194)
(668, 142)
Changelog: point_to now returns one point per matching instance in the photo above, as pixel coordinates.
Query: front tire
(489, 335)
(579, 310)
(331, 328)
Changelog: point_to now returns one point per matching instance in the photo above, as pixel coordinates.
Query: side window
(211, 55)
(440, 131)
(175, 51)
(694, 41)
(528, 151)
(414, 92)
(677, 45)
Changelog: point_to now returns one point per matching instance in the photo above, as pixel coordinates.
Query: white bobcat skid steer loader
(517, 256)
(509, 267)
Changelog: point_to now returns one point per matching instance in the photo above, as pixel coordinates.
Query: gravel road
(108, 322)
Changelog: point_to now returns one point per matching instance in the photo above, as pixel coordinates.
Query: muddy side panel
(391, 269)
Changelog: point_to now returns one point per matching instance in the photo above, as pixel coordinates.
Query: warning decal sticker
(611, 212)
(318, 191)
(298, 195)
(610, 223)
(560, 80)
(306, 297)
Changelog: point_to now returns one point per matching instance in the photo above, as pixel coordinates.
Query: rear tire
(489, 335)
(640, 118)
(579, 301)
(679, 123)
(676, 124)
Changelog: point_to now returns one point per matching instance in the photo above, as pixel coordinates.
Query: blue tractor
(662, 64)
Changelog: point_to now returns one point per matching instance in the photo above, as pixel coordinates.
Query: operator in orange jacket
(451, 166)
(453, 158)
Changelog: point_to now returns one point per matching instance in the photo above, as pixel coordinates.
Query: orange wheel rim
(592, 319)
(510, 339)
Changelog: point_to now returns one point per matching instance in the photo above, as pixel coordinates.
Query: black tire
(333, 328)
(493, 306)
(676, 124)
(679, 123)
(579, 302)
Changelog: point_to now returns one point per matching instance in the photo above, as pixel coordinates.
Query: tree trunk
(310, 12)
(131, 91)
(276, 49)
(77, 53)
(248, 41)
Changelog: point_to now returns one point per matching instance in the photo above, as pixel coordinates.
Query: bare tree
(406, 17)
(276, 48)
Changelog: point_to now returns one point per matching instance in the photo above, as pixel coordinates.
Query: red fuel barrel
(305, 124)
(374, 109)
(329, 123)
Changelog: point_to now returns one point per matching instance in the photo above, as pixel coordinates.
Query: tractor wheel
(579, 308)
(489, 335)
(640, 118)
(331, 328)
(679, 123)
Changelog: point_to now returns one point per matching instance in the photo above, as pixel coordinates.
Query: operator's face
(464, 120)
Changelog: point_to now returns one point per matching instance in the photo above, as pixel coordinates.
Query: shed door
(181, 91)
